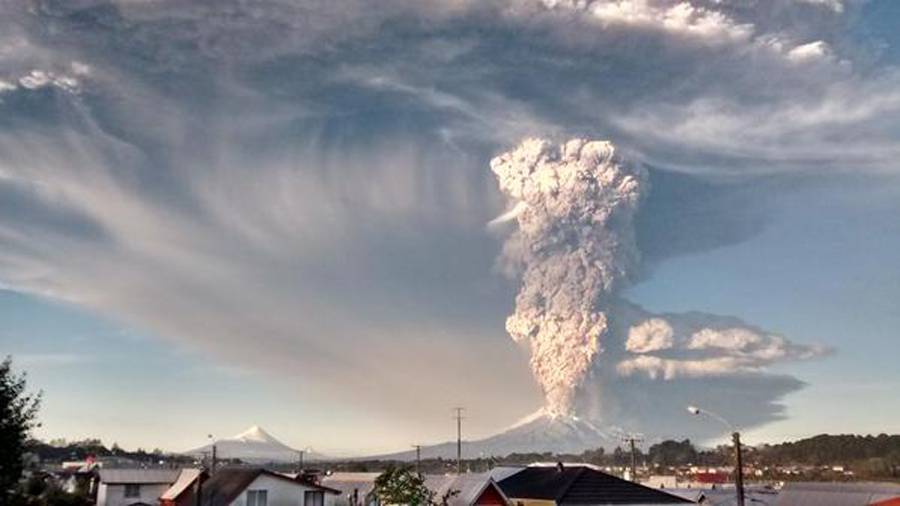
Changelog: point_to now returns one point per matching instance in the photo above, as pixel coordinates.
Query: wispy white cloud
(49, 360)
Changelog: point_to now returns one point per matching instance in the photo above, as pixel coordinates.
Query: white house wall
(114, 494)
(280, 492)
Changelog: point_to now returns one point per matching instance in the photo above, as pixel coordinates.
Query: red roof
(711, 477)
(895, 501)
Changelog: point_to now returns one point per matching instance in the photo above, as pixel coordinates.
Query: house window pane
(256, 498)
(132, 490)
(314, 498)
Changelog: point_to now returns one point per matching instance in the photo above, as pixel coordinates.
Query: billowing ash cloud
(574, 248)
(700, 345)
(660, 363)
(575, 244)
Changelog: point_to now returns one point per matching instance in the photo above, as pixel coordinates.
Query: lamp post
(212, 468)
(738, 457)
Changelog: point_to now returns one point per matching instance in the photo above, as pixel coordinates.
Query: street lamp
(738, 458)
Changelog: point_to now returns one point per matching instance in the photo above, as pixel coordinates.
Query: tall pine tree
(18, 415)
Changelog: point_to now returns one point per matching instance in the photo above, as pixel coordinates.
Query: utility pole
(418, 458)
(459, 418)
(631, 439)
(214, 460)
(301, 462)
(212, 467)
(738, 457)
(739, 468)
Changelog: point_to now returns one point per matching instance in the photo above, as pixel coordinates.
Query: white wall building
(258, 487)
(134, 487)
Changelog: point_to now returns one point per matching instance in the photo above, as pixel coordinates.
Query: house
(260, 487)
(134, 487)
(467, 490)
(580, 485)
(357, 489)
(183, 491)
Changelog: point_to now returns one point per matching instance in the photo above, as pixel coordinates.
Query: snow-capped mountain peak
(255, 434)
(253, 445)
(541, 431)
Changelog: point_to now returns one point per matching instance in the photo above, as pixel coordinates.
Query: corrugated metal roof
(362, 483)
(872, 487)
(122, 476)
(834, 494)
(501, 473)
(185, 479)
(468, 487)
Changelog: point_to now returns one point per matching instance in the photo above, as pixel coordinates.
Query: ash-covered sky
(275, 212)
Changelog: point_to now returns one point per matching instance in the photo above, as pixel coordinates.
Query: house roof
(362, 483)
(581, 485)
(138, 476)
(185, 479)
(894, 501)
(227, 484)
(468, 487)
(835, 494)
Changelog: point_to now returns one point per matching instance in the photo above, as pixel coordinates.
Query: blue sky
(211, 219)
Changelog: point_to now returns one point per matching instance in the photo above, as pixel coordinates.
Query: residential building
(260, 487)
(134, 487)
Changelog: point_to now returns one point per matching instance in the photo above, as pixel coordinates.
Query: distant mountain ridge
(254, 445)
(538, 432)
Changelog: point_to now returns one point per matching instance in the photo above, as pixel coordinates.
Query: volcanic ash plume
(574, 205)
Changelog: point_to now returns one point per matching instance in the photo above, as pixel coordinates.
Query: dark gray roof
(148, 476)
(581, 485)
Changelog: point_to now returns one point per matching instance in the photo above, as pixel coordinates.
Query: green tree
(673, 453)
(18, 415)
(403, 486)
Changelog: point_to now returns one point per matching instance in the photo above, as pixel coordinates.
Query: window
(132, 490)
(256, 498)
(314, 498)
